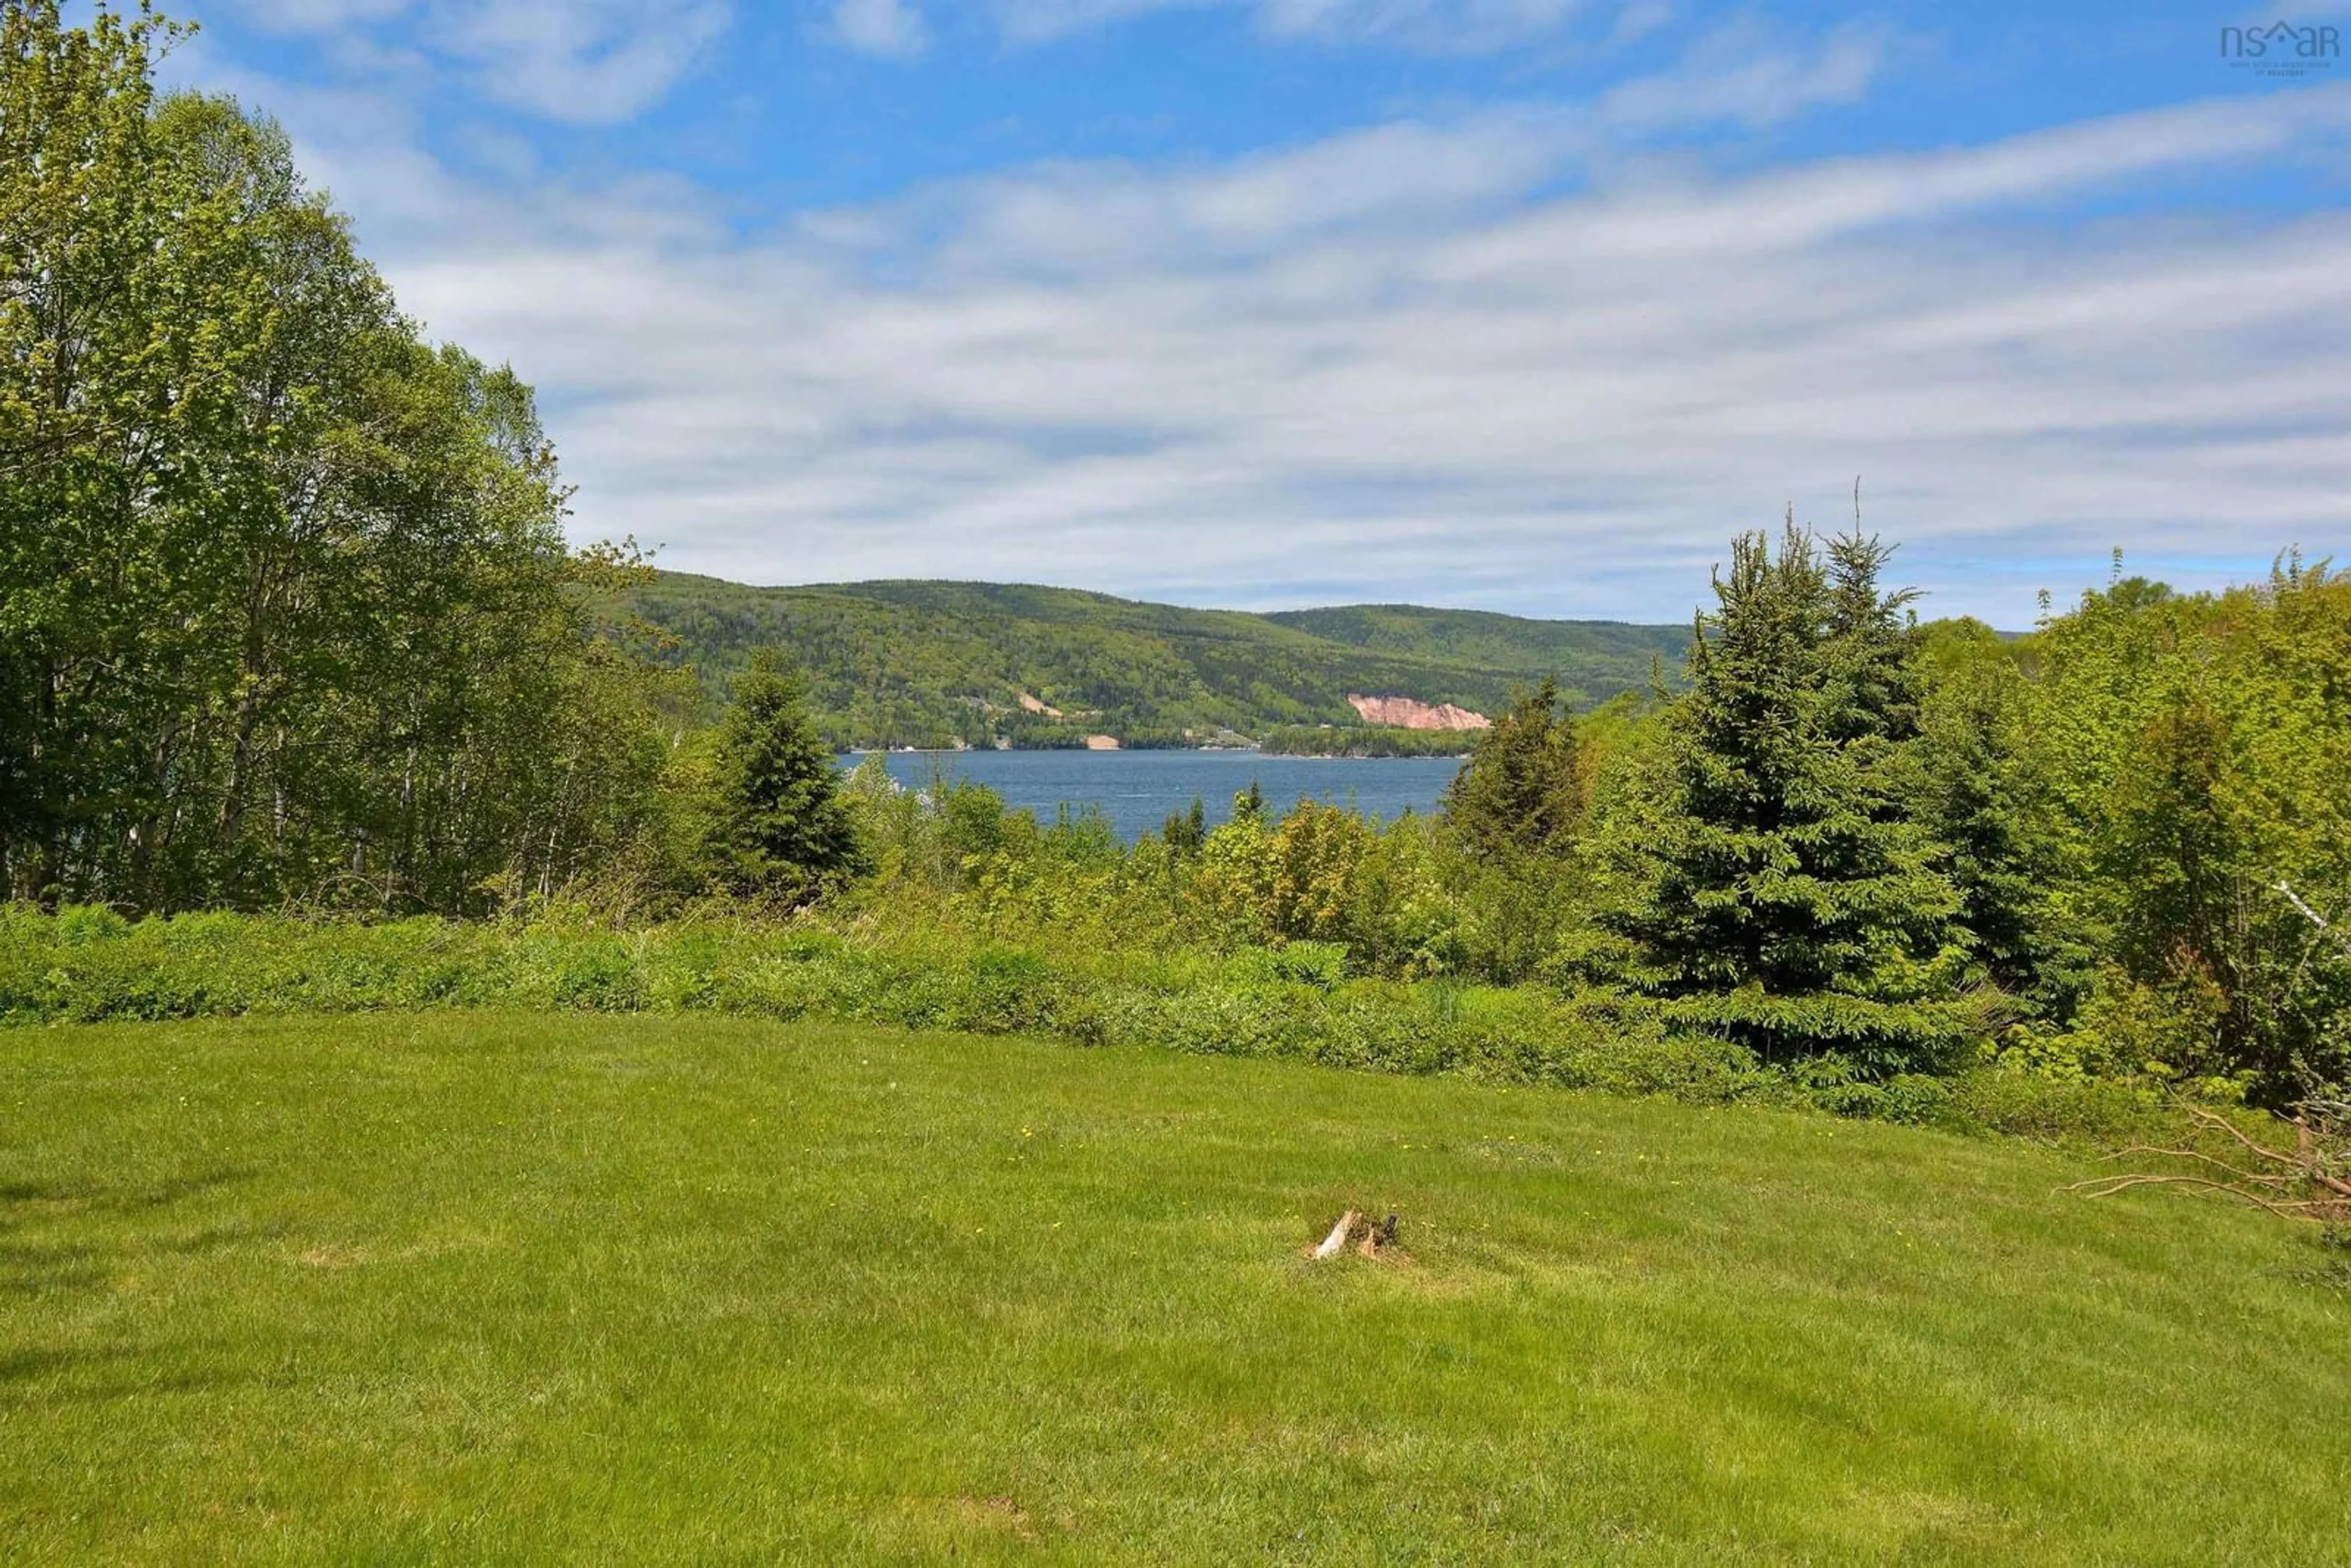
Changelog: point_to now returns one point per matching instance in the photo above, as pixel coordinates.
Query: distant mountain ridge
(923, 663)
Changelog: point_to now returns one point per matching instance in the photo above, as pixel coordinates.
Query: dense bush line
(89, 965)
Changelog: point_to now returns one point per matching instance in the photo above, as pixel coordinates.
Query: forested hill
(925, 663)
(1483, 638)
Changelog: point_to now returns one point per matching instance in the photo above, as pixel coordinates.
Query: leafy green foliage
(2194, 748)
(1002, 972)
(1593, 660)
(286, 610)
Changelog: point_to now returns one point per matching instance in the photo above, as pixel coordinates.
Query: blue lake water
(1136, 790)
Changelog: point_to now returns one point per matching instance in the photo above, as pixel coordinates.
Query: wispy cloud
(1043, 21)
(1468, 26)
(1437, 27)
(581, 61)
(1741, 74)
(1415, 177)
(319, 15)
(892, 29)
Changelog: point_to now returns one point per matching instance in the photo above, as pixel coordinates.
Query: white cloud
(1405, 175)
(1638, 19)
(1466, 25)
(893, 29)
(901, 28)
(1043, 21)
(1459, 361)
(1740, 75)
(1445, 27)
(583, 61)
(319, 15)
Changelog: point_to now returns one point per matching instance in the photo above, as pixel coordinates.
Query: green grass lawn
(477, 1288)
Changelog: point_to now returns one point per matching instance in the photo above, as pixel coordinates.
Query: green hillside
(925, 663)
(1618, 653)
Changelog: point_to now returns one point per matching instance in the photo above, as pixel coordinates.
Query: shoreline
(1142, 751)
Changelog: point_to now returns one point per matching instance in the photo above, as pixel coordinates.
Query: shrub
(1295, 1000)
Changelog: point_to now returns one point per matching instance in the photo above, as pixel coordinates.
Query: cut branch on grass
(2311, 1182)
(2107, 1186)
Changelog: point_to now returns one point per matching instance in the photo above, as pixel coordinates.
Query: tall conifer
(783, 827)
(1521, 791)
(1765, 877)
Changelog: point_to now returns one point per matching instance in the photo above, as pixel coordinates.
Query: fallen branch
(2318, 1167)
(2196, 1155)
(2107, 1186)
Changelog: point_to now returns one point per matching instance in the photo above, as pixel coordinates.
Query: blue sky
(1521, 303)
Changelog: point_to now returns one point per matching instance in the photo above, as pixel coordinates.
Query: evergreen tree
(1870, 649)
(783, 828)
(1521, 791)
(1185, 831)
(1762, 876)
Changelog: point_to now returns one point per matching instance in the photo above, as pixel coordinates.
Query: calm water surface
(1136, 790)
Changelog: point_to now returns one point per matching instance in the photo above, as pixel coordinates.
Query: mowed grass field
(501, 1289)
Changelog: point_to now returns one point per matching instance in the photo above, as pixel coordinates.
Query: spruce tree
(1763, 877)
(1521, 791)
(783, 829)
(1871, 651)
(1185, 833)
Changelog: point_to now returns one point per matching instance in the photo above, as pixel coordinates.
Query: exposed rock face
(1101, 743)
(1037, 704)
(1411, 713)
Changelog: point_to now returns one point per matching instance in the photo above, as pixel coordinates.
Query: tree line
(289, 613)
(1849, 841)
